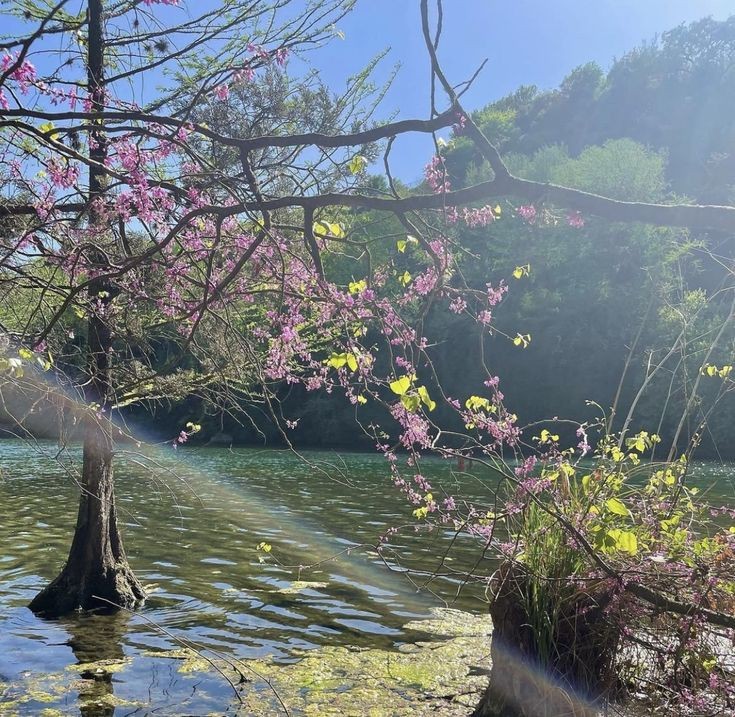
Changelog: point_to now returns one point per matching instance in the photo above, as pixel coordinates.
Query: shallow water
(192, 521)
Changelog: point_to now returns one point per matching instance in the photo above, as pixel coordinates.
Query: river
(192, 521)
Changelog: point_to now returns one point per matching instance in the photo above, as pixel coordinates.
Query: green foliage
(579, 523)
(592, 289)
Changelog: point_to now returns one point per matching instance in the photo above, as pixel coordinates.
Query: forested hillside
(658, 126)
(674, 94)
(601, 300)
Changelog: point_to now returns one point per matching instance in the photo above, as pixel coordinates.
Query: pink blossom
(24, 74)
(222, 92)
(583, 446)
(62, 174)
(526, 468)
(459, 125)
(436, 175)
(528, 212)
(575, 219)
(245, 74)
(495, 294)
(424, 283)
(479, 217)
(458, 305)
(422, 483)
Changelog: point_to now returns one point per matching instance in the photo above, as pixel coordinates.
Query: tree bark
(97, 566)
(521, 685)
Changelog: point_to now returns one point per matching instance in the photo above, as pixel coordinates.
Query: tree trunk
(96, 567)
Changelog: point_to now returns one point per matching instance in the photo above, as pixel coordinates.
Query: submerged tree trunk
(96, 567)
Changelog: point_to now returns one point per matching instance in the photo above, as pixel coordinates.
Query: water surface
(192, 521)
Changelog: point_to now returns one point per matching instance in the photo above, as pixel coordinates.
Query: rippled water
(192, 521)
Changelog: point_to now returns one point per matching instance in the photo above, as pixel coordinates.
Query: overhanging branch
(690, 216)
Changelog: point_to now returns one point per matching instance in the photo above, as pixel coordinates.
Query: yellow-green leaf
(617, 455)
(624, 540)
(548, 437)
(324, 228)
(357, 164)
(400, 385)
(336, 230)
(355, 287)
(411, 402)
(425, 398)
(710, 664)
(409, 241)
(336, 360)
(48, 127)
(475, 403)
(617, 507)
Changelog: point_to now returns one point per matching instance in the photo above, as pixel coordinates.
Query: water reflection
(191, 528)
(97, 638)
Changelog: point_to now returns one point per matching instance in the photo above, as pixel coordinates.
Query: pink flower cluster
(528, 213)
(63, 174)
(436, 175)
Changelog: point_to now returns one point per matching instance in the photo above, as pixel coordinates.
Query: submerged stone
(92, 670)
(191, 660)
(439, 678)
(453, 623)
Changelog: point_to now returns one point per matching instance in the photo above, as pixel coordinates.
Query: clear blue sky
(526, 41)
